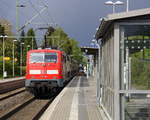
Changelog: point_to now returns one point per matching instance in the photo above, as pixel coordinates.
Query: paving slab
(77, 101)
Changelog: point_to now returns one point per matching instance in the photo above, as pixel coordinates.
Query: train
(48, 70)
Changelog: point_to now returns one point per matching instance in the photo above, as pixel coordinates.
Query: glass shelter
(125, 65)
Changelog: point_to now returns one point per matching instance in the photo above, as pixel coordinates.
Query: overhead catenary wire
(6, 6)
(29, 22)
(45, 8)
(49, 14)
(38, 12)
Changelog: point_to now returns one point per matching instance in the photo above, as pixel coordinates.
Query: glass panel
(51, 57)
(137, 107)
(37, 58)
(136, 57)
(43, 57)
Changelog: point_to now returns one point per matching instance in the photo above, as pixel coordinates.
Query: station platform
(9, 84)
(11, 79)
(77, 101)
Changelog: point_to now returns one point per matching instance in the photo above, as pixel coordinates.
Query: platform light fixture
(13, 52)
(21, 51)
(127, 9)
(114, 4)
(100, 19)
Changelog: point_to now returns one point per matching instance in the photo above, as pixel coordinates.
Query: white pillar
(13, 60)
(3, 56)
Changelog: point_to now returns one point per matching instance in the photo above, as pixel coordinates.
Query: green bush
(140, 71)
(9, 69)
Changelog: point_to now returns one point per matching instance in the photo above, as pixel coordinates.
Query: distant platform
(11, 79)
(9, 84)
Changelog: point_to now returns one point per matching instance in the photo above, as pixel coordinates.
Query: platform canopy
(135, 15)
(90, 51)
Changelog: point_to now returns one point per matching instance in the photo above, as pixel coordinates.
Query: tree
(18, 46)
(2, 30)
(22, 36)
(1, 39)
(29, 43)
(57, 38)
(63, 42)
(47, 40)
(30, 39)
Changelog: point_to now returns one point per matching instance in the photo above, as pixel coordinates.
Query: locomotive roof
(46, 50)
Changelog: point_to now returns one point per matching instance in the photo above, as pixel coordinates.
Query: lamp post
(17, 14)
(32, 43)
(3, 54)
(114, 4)
(127, 6)
(13, 52)
(21, 44)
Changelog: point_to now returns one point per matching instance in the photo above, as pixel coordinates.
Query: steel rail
(11, 85)
(11, 94)
(16, 109)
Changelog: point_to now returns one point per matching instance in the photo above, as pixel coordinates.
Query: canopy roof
(111, 18)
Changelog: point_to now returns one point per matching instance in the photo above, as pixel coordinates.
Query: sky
(78, 18)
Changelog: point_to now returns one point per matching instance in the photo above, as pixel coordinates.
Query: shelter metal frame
(113, 101)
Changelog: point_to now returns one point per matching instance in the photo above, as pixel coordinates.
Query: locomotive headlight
(35, 72)
(52, 71)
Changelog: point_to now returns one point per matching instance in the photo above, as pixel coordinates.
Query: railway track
(31, 109)
(11, 99)
(9, 85)
(21, 105)
(26, 107)
(11, 93)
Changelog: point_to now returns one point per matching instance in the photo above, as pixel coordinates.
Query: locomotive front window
(51, 57)
(43, 57)
(37, 58)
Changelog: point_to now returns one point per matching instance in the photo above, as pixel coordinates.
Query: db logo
(43, 65)
(44, 72)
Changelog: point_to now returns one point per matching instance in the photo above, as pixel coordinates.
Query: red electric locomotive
(47, 69)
